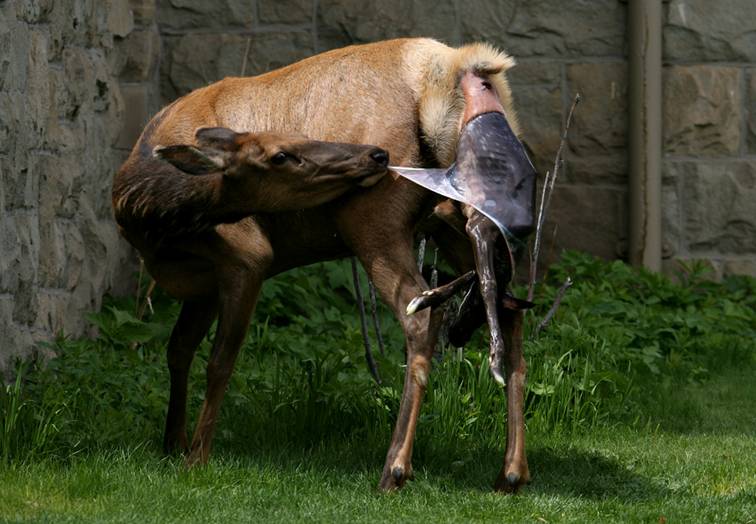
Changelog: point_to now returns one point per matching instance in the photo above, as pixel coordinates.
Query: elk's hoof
(195, 458)
(511, 482)
(175, 445)
(395, 478)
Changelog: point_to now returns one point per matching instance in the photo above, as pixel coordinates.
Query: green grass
(640, 408)
(699, 473)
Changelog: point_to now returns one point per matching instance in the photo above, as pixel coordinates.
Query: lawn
(639, 409)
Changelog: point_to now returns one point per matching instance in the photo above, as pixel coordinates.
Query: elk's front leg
(398, 280)
(514, 473)
(385, 250)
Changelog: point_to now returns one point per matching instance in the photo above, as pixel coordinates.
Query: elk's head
(277, 172)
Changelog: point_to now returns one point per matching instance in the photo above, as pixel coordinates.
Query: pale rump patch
(434, 71)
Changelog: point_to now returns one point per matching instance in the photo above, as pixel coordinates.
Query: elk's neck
(175, 205)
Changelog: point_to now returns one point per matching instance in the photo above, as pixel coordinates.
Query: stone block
(702, 106)
(74, 85)
(361, 21)
(197, 60)
(73, 25)
(23, 266)
(739, 266)
(535, 73)
(487, 22)
(599, 127)
(590, 219)
(17, 56)
(285, 11)
(671, 220)
(143, 12)
(9, 253)
(676, 267)
(61, 254)
(106, 102)
(539, 110)
(176, 16)
(120, 17)
(26, 306)
(18, 340)
(719, 203)
(610, 170)
(136, 101)
(554, 28)
(2, 187)
(60, 111)
(702, 30)
(37, 97)
(5, 52)
(33, 11)
(138, 55)
(20, 181)
(62, 179)
(53, 314)
(103, 254)
(751, 108)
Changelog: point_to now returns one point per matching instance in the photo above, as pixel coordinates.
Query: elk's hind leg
(514, 473)
(191, 327)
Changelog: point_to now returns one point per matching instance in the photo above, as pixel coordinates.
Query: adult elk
(408, 96)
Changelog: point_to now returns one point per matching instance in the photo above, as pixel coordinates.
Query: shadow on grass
(555, 471)
(559, 470)
(722, 405)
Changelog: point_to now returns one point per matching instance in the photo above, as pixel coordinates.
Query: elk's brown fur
(402, 95)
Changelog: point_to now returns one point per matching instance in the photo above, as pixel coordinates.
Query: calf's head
(501, 180)
(277, 172)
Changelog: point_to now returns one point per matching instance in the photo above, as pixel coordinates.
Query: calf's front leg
(506, 345)
(192, 325)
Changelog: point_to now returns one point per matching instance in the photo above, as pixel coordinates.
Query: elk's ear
(221, 138)
(192, 160)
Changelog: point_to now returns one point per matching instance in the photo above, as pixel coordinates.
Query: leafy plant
(621, 339)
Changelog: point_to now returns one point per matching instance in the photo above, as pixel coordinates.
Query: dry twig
(376, 320)
(372, 366)
(548, 188)
(552, 311)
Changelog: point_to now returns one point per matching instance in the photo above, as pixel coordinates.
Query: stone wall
(562, 48)
(80, 78)
(61, 119)
(710, 133)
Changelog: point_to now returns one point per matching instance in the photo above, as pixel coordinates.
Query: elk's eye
(279, 158)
